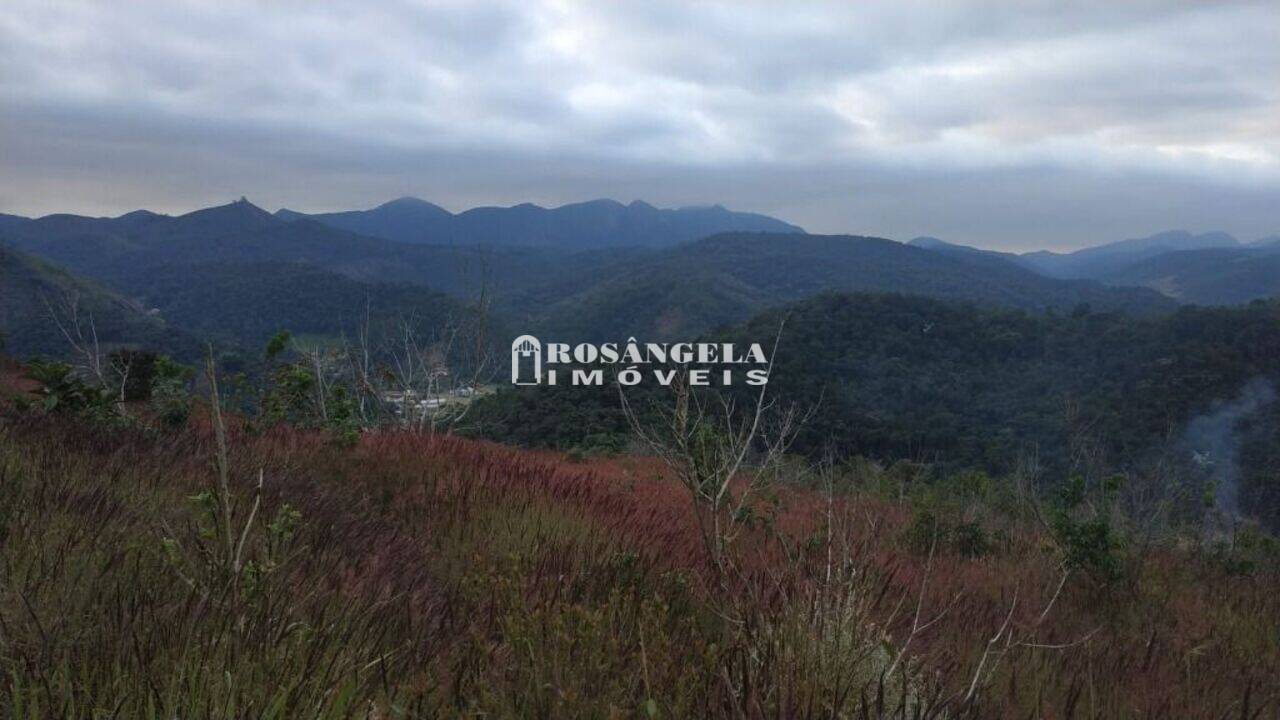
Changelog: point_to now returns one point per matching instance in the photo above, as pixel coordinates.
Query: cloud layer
(1003, 124)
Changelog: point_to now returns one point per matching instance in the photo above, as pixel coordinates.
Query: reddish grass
(1149, 650)
(1183, 638)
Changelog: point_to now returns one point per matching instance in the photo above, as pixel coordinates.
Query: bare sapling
(724, 454)
(110, 372)
(232, 550)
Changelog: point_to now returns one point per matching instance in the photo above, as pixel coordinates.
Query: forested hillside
(1223, 276)
(1096, 261)
(909, 378)
(39, 302)
(903, 376)
(248, 303)
(728, 278)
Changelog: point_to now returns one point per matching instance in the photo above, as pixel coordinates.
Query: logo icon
(526, 361)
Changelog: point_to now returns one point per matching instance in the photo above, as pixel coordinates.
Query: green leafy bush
(931, 531)
(64, 392)
(170, 400)
(1083, 528)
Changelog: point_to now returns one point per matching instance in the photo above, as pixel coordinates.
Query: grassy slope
(437, 576)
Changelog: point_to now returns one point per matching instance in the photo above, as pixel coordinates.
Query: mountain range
(1210, 276)
(1092, 262)
(587, 270)
(1212, 268)
(726, 278)
(578, 226)
(235, 271)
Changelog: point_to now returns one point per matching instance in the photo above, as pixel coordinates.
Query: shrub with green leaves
(65, 392)
(932, 531)
(1082, 523)
(170, 399)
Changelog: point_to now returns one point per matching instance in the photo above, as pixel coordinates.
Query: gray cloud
(1005, 125)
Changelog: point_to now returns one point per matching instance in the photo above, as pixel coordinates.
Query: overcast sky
(1013, 125)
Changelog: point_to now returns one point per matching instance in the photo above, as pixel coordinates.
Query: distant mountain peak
(404, 200)
(138, 215)
(409, 202)
(927, 242)
(242, 204)
(239, 213)
(609, 203)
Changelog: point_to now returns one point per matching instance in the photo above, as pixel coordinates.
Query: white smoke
(1212, 440)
